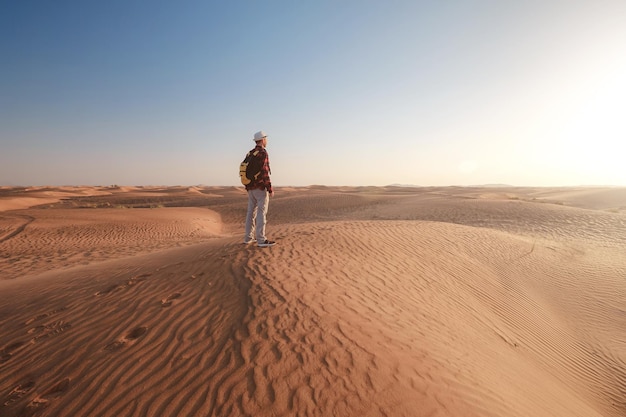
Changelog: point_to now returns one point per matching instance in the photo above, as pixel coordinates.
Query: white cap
(260, 135)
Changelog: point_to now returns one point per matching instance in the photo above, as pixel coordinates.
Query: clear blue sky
(349, 92)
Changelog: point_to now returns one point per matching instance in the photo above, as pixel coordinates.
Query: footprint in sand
(136, 333)
(130, 337)
(49, 330)
(44, 315)
(7, 352)
(42, 400)
(117, 287)
(138, 278)
(111, 289)
(18, 392)
(168, 301)
(115, 345)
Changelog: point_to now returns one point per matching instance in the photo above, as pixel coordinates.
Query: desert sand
(376, 301)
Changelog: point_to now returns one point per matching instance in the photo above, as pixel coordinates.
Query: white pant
(258, 201)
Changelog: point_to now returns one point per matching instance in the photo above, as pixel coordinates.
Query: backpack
(250, 167)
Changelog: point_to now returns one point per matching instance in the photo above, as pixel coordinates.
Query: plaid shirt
(263, 182)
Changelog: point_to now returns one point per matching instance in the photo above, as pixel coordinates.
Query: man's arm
(265, 175)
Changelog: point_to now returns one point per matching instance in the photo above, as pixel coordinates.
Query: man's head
(260, 138)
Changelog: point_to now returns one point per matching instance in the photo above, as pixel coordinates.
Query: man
(259, 193)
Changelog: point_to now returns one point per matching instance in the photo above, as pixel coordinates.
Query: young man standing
(259, 193)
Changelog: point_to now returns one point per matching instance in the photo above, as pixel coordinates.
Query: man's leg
(262, 200)
(250, 217)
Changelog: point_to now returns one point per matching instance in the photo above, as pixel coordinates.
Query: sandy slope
(375, 302)
(37, 240)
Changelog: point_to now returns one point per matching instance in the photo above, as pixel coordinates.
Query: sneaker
(266, 243)
(247, 242)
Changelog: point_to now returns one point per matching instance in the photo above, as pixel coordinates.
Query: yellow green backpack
(250, 167)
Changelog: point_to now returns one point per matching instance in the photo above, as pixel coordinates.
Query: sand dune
(376, 302)
(37, 240)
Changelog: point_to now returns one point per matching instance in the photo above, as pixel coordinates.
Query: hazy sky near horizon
(349, 92)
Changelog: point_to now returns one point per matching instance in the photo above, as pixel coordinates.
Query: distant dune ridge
(376, 301)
